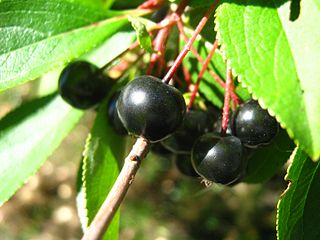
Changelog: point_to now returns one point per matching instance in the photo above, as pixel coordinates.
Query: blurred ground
(161, 205)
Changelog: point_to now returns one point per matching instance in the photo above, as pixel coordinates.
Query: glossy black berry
(113, 116)
(253, 125)
(150, 108)
(184, 165)
(218, 159)
(196, 123)
(218, 124)
(160, 14)
(158, 149)
(81, 86)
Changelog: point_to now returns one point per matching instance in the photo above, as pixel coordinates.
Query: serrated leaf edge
(289, 186)
(260, 100)
(83, 179)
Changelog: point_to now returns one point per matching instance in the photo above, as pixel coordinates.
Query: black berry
(196, 123)
(158, 149)
(160, 14)
(150, 108)
(218, 124)
(113, 116)
(218, 159)
(184, 165)
(253, 125)
(81, 86)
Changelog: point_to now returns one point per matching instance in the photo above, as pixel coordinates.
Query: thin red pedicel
(226, 106)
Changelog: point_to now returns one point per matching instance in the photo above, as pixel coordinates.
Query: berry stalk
(235, 98)
(226, 106)
(187, 47)
(203, 69)
(109, 207)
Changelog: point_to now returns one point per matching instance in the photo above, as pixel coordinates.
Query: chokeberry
(113, 116)
(195, 123)
(253, 125)
(150, 108)
(218, 124)
(81, 86)
(184, 165)
(218, 159)
(160, 14)
(158, 149)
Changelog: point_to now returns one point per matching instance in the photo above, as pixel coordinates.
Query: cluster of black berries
(147, 107)
(223, 159)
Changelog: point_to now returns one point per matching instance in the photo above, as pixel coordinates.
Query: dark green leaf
(298, 209)
(194, 16)
(264, 162)
(28, 135)
(200, 3)
(277, 60)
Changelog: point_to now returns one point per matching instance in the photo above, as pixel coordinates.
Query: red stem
(235, 98)
(203, 69)
(187, 47)
(226, 106)
(160, 47)
(161, 39)
(186, 74)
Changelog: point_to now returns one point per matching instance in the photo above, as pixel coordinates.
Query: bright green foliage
(298, 209)
(277, 60)
(265, 161)
(143, 36)
(111, 48)
(100, 169)
(41, 35)
(28, 136)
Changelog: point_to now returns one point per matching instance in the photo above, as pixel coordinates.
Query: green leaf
(143, 36)
(194, 16)
(28, 135)
(264, 162)
(298, 209)
(44, 34)
(111, 48)
(100, 169)
(277, 60)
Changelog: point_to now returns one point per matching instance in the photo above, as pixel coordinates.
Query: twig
(187, 47)
(226, 105)
(109, 207)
